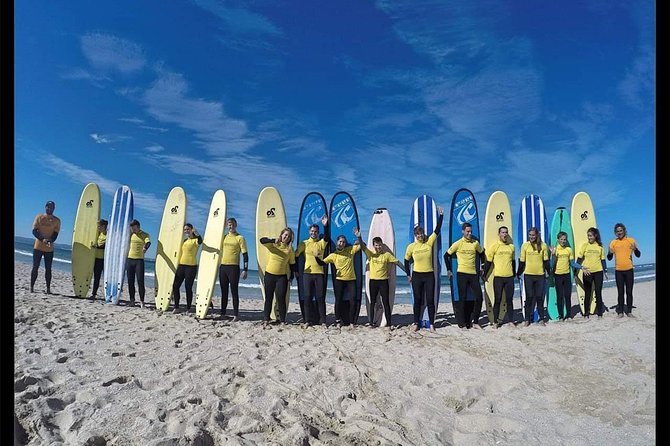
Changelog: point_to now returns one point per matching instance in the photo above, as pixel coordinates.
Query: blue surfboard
(531, 214)
(118, 240)
(463, 210)
(424, 213)
(312, 209)
(343, 218)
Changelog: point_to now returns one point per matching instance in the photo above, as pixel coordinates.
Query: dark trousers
(624, 279)
(380, 287)
(423, 289)
(97, 274)
(534, 284)
(37, 259)
(506, 285)
(275, 287)
(470, 310)
(135, 267)
(593, 281)
(345, 310)
(563, 294)
(314, 289)
(229, 275)
(187, 273)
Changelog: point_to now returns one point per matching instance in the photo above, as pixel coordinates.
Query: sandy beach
(86, 373)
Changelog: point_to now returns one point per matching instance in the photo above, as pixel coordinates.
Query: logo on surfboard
(270, 213)
(500, 217)
(584, 215)
(174, 210)
(467, 212)
(344, 215)
(89, 204)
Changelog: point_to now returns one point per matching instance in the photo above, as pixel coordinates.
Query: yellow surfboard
(168, 251)
(270, 220)
(582, 217)
(498, 213)
(210, 256)
(84, 239)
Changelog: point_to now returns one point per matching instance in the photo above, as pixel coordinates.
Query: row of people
(536, 262)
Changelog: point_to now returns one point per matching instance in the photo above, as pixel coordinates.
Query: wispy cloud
(97, 80)
(106, 52)
(155, 148)
(132, 120)
(239, 20)
(108, 139)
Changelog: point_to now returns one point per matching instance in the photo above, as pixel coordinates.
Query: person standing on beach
(281, 262)
(533, 262)
(500, 256)
(345, 277)
(188, 266)
(45, 229)
(139, 243)
(99, 255)
(466, 249)
(623, 248)
(229, 271)
(312, 276)
(562, 258)
(379, 261)
(591, 257)
(422, 277)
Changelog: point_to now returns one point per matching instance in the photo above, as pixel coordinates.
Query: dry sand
(96, 374)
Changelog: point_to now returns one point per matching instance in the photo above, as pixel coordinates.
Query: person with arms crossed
(622, 249)
(562, 258)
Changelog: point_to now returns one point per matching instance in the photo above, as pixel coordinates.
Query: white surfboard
(116, 246)
(381, 225)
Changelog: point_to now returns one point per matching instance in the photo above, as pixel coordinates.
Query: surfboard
(424, 214)
(270, 221)
(313, 207)
(559, 222)
(381, 225)
(168, 250)
(210, 255)
(531, 214)
(498, 213)
(343, 220)
(118, 241)
(463, 210)
(582, 217)
(85, 238)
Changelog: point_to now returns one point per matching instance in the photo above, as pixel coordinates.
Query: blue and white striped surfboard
(531, 214)
(116, 246)
(424, 214)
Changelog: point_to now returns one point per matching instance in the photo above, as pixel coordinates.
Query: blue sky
(386, 100)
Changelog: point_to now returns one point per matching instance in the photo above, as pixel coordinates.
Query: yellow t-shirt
(563, 257)
(311, 248)
(46, 225)
(233, 245)
(593, 255)
(279, 258)
(422, 253)
(100, 252)
(344, 262)
(137, 242)
(623, 253)
(501, 255)
(189, 251)
(466, 254)
(534, 259)
(379, 263)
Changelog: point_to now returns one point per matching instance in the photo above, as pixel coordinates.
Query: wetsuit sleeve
(36, 233)
(522, 266)
(146, 246)
(447, 261)
(326, 236)
(265, 240)
(482, 255)
(547, 267)
(199, 239)
(319, 261)
(245, 259)
(438, 227)
(513, 267)
(636, 252)
(604, 265)
(407, 264)
(487, 267)
(610, 256)
(54, 236)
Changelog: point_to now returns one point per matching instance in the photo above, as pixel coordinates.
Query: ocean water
(251, 289)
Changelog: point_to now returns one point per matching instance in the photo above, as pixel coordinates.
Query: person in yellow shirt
(562, 258)
(467, 277)
(233, 244)
(345, 277)
(500, 256)
(379, 261)
(188, 266)
(312, 275)
(591, 257)
(533, 263)
(45, 229)
(99, 255)
(281, 262)
(139, 243)
(622, 249)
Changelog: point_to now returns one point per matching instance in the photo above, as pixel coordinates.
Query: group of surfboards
(342, 219)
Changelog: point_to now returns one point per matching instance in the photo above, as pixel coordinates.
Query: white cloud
(107, 52)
